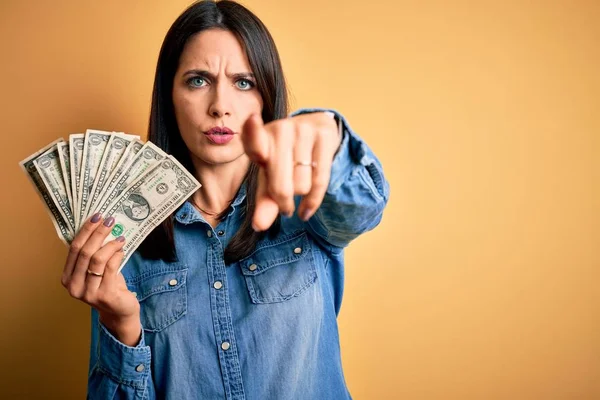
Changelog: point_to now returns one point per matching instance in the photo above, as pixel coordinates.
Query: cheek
(250, 104)
(187, 110)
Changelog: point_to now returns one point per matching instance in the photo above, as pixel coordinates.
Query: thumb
(255, 139)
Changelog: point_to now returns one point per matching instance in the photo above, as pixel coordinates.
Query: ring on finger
(312, 164)
(90, 272)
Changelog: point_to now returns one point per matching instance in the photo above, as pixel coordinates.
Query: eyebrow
(211, 76)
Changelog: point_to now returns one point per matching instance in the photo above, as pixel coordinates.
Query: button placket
(222, 323)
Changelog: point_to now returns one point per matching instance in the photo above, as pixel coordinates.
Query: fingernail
(329, 114)
(96, 217)
(120, 239)
(306, 214)
(109, 222)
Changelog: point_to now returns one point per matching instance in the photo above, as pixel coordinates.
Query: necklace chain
(214, 214)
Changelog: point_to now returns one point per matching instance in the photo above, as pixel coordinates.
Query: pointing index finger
(256, 140)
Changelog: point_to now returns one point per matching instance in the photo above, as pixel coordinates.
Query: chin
(219, 156)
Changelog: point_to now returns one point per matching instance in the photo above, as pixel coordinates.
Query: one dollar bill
(116, 146)
(95, 144)
(65, 165)
(76, 145)
(49, 169)
(130, 152)
(61, 226)
(148, 201)
(148, 156)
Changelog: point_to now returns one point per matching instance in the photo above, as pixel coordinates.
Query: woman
(228, 299)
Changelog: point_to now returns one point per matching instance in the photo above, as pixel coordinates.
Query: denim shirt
(262, 328)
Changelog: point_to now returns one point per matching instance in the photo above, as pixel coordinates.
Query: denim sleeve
(357, 192)
(118, 371)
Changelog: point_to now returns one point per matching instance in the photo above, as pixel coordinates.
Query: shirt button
(209, 233)
(173, 282)
(140, 368)
(220, 233)
(298, 250)
(225, 345)
(218, 285)
(253, 267)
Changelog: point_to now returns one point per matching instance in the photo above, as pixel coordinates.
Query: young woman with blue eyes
(235, 295)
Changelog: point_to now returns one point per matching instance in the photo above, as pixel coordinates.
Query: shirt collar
(241, 196)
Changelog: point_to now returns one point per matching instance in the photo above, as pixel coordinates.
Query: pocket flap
(286, 249)
(153, 282)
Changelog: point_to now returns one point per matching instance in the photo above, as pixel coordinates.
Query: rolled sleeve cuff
(126, 364)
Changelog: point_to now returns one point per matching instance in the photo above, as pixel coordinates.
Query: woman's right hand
(91, 275)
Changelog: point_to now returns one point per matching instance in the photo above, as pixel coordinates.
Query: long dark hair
(163, 131)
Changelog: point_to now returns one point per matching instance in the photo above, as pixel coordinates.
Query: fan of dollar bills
(111, 173)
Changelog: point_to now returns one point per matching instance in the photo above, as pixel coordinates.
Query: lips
(220, 130)
(220, 135)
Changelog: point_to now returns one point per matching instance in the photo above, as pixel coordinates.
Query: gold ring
(94, 273)
(306, 164)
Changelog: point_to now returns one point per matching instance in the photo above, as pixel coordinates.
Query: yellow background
(481, 282)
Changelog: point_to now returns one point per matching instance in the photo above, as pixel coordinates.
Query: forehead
(214, 49)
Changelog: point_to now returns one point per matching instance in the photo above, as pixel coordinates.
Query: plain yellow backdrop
(481, 282)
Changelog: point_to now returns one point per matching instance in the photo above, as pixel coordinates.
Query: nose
(219, 105)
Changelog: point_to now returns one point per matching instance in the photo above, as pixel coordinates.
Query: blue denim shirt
(261, 328)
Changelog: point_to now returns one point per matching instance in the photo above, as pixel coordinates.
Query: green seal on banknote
(117, 230)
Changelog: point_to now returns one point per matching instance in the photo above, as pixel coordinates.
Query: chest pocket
(162, 295)
(279, 270)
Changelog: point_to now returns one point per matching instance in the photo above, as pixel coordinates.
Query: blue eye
(196, 81)
(244, 84)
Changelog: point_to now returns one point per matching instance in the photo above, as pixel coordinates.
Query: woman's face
(214, 87)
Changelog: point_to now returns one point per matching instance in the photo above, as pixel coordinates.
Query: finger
(98, 264)
(77, 244)
(85, 255)
(266, 209)
(111, 272)
(321, 173)
(305, 138)
(256, 140)
(280, 167)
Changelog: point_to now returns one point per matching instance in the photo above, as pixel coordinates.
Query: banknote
(27, 165)
(63, 157)
(134, 147)
(93, 149)
(48, 167)
(148, 201)
(76, 144)
(148, 156)
(112, 173)
(116, 146)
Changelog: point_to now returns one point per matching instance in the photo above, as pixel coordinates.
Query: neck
(220, 183)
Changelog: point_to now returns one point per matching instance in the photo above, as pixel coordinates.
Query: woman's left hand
(295, 156)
